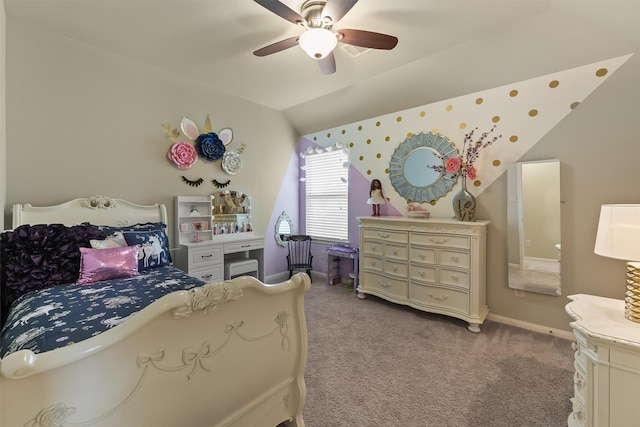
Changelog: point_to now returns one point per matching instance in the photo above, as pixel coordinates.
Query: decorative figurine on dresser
(433, 265)
(214, 232)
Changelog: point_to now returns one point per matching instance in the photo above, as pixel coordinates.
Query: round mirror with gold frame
(416, 169)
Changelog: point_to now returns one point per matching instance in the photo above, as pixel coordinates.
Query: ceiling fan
(319, 40)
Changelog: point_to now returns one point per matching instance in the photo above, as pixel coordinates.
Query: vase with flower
(464, 203)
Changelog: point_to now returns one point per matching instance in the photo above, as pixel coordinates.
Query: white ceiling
(446, 48)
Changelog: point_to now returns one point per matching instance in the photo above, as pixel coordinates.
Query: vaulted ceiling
(446, 48)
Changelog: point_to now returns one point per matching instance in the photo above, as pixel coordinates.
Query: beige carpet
(373, 363)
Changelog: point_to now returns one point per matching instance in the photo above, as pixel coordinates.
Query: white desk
(206, 259)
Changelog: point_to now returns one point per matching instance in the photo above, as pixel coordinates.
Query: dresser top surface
(603, 318)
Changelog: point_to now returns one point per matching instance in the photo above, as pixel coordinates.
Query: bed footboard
(225, 354)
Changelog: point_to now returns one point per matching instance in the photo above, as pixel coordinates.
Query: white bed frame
(225, 354)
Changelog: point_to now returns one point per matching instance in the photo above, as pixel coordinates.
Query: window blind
(326, 193)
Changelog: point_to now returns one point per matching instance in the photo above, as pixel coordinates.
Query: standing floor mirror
(533, 215)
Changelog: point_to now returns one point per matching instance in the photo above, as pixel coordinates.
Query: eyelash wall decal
(195, 183)
(219, 184)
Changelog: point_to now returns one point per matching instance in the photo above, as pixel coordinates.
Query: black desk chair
(299, 257)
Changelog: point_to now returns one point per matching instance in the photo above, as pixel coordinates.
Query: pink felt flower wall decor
(182, 154)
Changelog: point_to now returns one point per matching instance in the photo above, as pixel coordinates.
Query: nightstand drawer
(205, 256)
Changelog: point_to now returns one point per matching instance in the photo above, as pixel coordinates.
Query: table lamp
(619, 237)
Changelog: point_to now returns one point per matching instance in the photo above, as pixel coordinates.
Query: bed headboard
(99, 210)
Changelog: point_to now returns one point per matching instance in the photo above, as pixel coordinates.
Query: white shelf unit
(192, 226)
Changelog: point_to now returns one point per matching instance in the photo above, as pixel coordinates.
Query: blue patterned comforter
(50, 318)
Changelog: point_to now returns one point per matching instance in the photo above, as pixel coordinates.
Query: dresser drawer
(454, 259)
(387, 236)
(434, 296)
(205, 256)
(424, 255)
(455, 278)
(440, 240)
(372, 248)
(212, 274)
(245, 245)
(400, 252)
(372, 263)
(396, 268)
(423, 273)
(396, 288)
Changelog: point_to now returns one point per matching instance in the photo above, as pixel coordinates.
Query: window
(326, 195)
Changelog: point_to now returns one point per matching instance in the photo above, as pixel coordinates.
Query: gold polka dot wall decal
(329, 135)
(351, 145)
(386, 170)
(449, 107)
(378, 155)
(359, 127)
(477, 183)
(433, 202)
(409, 134)
(398, 119)
(361, 158)
(574, 105)
(462, 125)
(602, 72)
(533, 113)
(344, 131)
(495, 119)
(554, 84)
(386, 138)
(423, 113)
(378, 124)
(315, 138)
(369, 172)
(479, 101)
(368, 141)
(513, 138)
(496, 163)
(513, 93)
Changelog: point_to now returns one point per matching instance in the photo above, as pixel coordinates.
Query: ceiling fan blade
(367, 39)
(277, 46)
(281, 10)
(336, 9)
(328, 64)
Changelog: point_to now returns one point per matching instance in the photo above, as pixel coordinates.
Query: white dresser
(434, 265)
(607, 363)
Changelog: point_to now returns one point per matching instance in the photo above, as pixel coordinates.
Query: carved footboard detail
(243, 333)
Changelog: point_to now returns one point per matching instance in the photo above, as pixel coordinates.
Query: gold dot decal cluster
(368, 141)
(399, 119)
(423, 113)
(513, 93)
(378, 124)
(496, 163)
(449, 107)
(479, 101)
(344, 131)
(554, 84)
(602, 72)
(495, 119)
(533, 112)
(513, 138)
(360, 128)
(378, 155)
(462, 125)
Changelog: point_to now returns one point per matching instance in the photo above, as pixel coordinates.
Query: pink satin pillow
(110, 263)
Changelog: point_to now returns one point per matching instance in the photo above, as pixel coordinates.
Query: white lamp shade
(619, 232)
(318, 42)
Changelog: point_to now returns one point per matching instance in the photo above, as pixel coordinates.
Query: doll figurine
(376, 197)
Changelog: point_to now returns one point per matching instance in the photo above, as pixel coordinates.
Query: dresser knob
(455, 258)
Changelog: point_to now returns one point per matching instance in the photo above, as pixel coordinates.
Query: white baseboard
(531, 326)
(316, 277)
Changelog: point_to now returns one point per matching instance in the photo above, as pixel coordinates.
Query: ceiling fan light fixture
(318, 42)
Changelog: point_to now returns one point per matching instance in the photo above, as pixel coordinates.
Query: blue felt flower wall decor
(209, 146)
